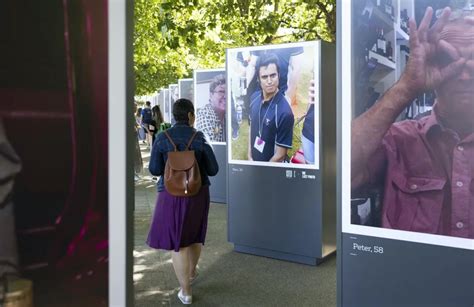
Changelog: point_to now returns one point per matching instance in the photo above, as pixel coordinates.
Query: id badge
(259, 144)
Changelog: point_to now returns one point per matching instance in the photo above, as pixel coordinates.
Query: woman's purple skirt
(179, 221)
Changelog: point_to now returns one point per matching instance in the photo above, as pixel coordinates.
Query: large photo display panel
(186, 88)
(161, 100)
(210, 103)
(54, 139)
(396, 248)
(166, 102)
(410, 146)
(274, 105)
(173, 96)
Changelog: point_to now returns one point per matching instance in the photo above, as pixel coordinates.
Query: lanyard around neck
(260, 124)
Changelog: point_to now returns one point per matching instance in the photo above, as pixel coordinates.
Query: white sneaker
(185, 299)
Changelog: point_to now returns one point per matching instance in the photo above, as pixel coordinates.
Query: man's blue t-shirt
(273, 120)
(146, 116)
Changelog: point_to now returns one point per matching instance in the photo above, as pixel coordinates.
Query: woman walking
(157, 119)
(180, 223)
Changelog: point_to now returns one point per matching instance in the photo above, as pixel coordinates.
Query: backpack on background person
(182, 176)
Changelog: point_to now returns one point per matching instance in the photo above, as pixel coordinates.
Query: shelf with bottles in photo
(377, 17)
(382, 27)
(384, 10)
(405, 10)
(382, 50)
(391, 47)
(388, 21)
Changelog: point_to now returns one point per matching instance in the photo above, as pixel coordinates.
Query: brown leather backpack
(182, 176)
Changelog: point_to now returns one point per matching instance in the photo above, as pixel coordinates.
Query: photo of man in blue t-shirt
(271, 117)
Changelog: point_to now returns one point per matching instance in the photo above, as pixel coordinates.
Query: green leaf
(174, 37)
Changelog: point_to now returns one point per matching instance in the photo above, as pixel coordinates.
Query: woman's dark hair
(181, 108)
(157, 116)
(139, 112)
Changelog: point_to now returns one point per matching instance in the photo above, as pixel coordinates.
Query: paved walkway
(226, 278)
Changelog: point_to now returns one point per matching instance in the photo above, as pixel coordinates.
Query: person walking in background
(138, 161)
(138, 125)
(157, 119)
(146, 119)
(179, 224)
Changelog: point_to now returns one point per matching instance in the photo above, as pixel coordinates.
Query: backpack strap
(191, 139)
(169, 138)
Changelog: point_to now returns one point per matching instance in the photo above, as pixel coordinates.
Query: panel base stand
(278, 255)
(219, 200)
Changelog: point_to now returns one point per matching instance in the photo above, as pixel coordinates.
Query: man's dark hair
(216, 81)
(148, 103)
(264, 60)
(181, 108)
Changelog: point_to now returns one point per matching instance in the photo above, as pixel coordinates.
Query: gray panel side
(130, 148)
(276, 255)
(218, 188)
(339, 155)
(328, 146)
(404, 273)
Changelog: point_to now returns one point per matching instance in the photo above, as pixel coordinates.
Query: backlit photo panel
(186, 88)
(210, 103)
(54, 138)
(173, 96)
(161, 100)
(274, 102)
(167, 110)
(407, 145)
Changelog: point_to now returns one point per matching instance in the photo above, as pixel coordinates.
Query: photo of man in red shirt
(426, 164)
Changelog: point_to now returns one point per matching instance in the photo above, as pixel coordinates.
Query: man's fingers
(414, 40)
(449, 49)
(452, 69)
(439, 24)
(425, 23)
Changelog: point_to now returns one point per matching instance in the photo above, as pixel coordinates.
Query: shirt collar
(182, 123)
(432, 124)
(274, 99)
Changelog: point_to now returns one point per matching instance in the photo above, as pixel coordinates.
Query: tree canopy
(174, 37)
